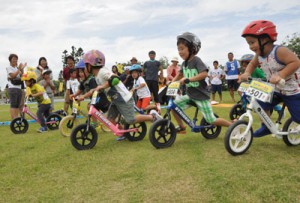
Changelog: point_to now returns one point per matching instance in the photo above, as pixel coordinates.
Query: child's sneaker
(121, 138)
(262, 131)
(181, 130)
(155, 115)
(42, 130)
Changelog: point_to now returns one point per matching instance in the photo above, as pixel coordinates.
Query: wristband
(281, 82)
(187, 81)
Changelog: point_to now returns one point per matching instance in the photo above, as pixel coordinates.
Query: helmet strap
(262, 46)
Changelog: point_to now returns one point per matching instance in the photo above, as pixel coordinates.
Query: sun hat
(175, 59)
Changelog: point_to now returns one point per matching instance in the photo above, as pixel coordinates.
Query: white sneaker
(155, 115)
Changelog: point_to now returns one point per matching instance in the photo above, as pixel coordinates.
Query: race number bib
(260, 91)
(243, 87)
(173, 89)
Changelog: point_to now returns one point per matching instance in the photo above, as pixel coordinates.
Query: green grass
(46, 168)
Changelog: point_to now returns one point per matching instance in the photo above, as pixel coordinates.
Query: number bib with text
(173, 89)
(260, 91)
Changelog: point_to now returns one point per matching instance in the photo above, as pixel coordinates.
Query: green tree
(164, 61)
(293, 43)
(76, 53)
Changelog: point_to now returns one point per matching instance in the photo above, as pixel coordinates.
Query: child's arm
(37, 94)
(200, 76)
(250, 68)
(291, 61)
(178, 76)
(141, 86)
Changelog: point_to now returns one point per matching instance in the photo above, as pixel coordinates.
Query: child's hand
(80, 98)
(275, 79)
(244, 77)
(71, 96)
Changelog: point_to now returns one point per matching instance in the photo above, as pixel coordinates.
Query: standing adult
(231, 69)
(42, 65)
(216, 74)
(14, 73)
(66, 75)
(172, 69)
(151, 69)
(133, 60)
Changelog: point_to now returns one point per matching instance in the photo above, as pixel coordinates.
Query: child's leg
(181, 102)
(220, 92)
(208, 114)
(40, 113)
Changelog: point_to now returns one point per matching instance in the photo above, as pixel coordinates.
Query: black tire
(19, 125)
(236, 145)
(161, 135)
(136, 136)
(236, 111)
(210, 132)
(82, 139)
(55, 118)
(292, 139)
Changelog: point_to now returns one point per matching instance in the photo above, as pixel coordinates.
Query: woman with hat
(172, 69)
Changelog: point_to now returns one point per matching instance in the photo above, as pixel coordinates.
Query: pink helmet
(261, 27)
(94, 57)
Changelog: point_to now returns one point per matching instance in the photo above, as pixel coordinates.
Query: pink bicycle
(20, 125)
(85, 136)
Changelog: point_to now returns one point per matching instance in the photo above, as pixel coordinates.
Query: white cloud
(122, 29)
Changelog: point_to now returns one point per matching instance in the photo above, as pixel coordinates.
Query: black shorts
(233, 84)
(216, 88)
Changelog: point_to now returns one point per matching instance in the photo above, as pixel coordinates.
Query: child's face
(253, 44)
(216, 65)
(183, 51)
(46, 76)
(81, 74)
(73, 75)
(135, 74)
(27, 82)
(244, 64)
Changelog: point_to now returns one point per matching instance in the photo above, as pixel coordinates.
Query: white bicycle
(239, 135)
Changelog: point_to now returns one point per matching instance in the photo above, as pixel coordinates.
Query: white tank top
(271, 65)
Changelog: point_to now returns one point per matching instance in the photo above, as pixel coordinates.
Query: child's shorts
(292, 102)
(126, 109)
(204, 106)
(143, 103)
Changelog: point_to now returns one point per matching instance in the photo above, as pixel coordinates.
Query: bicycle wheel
(82, 139)
(293, 138)
(19, 125)
(53, 121)
(211, 131)
(162, 135)
(136, 136)
(236, 111)
(67, 124)
(235, 144)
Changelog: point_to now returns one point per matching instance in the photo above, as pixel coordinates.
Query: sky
(123, 29)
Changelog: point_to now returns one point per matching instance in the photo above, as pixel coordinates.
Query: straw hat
(174, 59)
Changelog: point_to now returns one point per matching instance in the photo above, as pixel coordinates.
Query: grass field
(46, 168)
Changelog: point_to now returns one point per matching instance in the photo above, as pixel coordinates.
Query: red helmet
(261, 27)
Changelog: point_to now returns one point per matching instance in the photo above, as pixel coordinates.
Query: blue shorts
(292, 102)
(216, 88)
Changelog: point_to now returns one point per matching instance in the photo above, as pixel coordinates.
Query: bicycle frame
(184, 117)
(26, 110)
(93, 112)
(274, 128)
